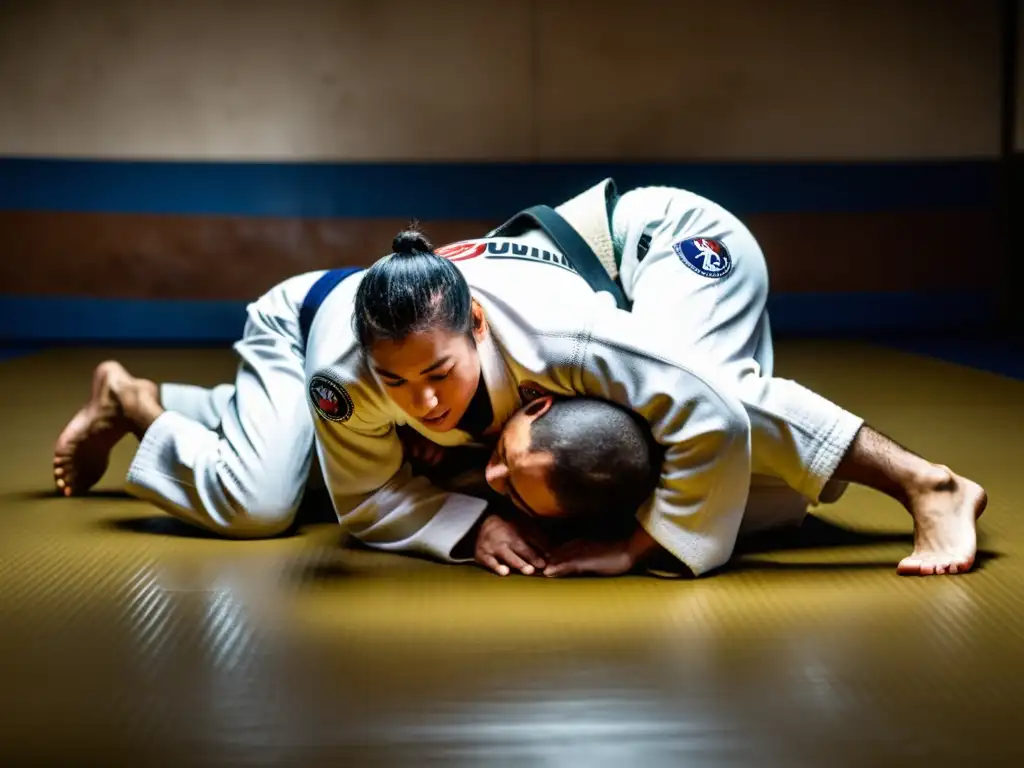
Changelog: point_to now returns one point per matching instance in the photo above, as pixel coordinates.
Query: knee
(266, 513)
(263, 521)
(258, 508)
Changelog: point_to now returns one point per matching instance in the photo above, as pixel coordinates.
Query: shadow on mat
(315, 509)
(348, 557)
(816, 533)
(106, 494)
(158, 525)
(980, 560)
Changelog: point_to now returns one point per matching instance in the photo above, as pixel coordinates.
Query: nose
(426, 401)
(496, 475)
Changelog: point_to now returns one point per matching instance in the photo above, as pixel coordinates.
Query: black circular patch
(330, 399)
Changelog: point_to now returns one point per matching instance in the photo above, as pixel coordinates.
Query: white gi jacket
(547, 327)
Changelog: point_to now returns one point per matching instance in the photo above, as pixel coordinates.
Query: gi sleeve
(696, 510)
(375, 494)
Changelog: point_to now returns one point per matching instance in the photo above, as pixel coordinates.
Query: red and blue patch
(502, 249)
(706, 257)
(330, 399)
(463, 251)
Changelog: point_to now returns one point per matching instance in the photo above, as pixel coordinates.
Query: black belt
(573, 247)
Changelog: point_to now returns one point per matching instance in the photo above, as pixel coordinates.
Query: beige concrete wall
(264, 79)
(807, 79)
(515, 80)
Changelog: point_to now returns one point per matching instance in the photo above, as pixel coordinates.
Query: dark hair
(411, 290)
(606, 461)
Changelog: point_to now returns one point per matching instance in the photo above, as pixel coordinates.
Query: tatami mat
(127, 639)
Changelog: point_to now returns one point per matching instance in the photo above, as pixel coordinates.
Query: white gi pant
(235, 459)
(798, 437)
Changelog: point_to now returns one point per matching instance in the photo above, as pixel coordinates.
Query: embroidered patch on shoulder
(461, 251)
(330, 399)
(706, 257)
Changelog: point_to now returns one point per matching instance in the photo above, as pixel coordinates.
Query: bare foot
(945, 510)
(83, 449)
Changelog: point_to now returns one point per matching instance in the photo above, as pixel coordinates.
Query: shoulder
(347, 393)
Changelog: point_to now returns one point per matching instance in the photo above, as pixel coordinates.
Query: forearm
(463, 551)
(643, 548)
(409, 515)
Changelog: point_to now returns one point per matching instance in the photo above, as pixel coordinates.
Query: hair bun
(411, 242)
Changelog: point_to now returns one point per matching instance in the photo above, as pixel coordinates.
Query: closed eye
(396, 381)
(441, 376)
(513, 494)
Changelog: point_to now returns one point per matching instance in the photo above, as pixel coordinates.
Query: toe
(909, 566)
(917, 565)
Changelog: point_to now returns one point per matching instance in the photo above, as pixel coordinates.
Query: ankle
(147, 390)
(932, 478)
(140, 401)
(131, 394)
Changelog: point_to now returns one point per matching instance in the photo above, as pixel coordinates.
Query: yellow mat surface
(129, 639)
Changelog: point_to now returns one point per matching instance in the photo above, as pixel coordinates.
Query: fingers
(418, 448)
(564, 561)
(571, 559)
(570, 550)
(529, 554)
(507, 554)
(491, 562)
(537, 541)
(431, 454)
(501, 547)
(569, 567)
(505, 558)
(434, 454)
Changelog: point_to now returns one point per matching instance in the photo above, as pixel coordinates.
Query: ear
(479, 321)
(538, 407)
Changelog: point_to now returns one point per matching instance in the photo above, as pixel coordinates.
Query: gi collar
(495, 399)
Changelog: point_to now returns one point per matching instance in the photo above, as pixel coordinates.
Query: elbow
(736, 424)
(729, 421)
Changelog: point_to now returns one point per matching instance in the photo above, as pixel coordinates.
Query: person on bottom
(692, 270)
(580, 461)
(457, 339)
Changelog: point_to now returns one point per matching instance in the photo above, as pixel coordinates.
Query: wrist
(466, 548)
(642, 546)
